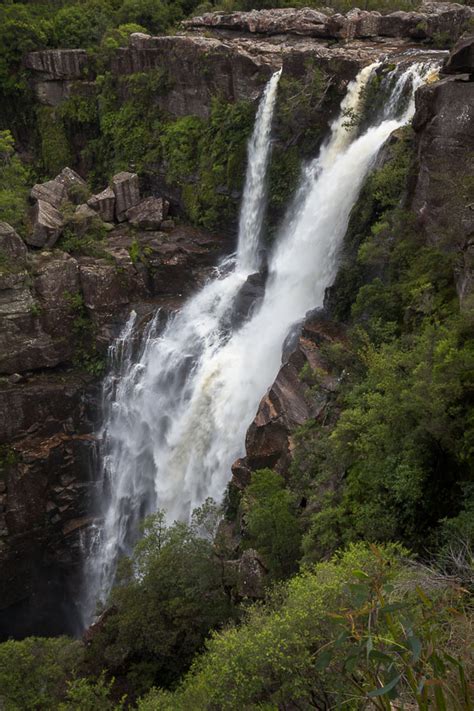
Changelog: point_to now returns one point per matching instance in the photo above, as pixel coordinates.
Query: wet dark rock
(248, 298)
(442, 196)
(461, 57)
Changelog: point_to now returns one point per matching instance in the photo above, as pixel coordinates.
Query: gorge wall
(60, 309)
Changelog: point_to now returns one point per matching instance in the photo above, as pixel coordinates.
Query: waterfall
(145, 397)
(177, 415)
(253, 202)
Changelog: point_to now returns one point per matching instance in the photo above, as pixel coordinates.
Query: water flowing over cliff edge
(176, 414)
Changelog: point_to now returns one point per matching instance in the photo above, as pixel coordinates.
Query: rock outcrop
(443, 197)
(54, 64)
(461, 59)
(290, 402)
(432, 19)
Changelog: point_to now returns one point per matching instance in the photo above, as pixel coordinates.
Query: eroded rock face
(49, 410)
(46, 423)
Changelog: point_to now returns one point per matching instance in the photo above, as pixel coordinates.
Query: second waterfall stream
(176, 415)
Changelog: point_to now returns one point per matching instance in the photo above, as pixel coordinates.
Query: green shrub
(14, 180)
(328, 638)
(34, 672)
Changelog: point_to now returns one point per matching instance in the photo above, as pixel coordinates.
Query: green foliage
(85, 694)
(33, 672)
(180, 143)
(327, 639)
(87, 243)
(220, 167)
(271, 522)
(395, 459)
(14, 178)
(170, 595)
(54, 145)
(82, 25)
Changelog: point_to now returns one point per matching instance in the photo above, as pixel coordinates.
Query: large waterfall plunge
(175, 417)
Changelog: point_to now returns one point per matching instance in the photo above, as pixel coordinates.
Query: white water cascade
(176, 415)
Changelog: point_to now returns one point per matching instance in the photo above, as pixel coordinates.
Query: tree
(271, 522)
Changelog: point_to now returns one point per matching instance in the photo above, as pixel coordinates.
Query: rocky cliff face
(58, 313)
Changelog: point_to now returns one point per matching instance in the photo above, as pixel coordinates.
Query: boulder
(461, 58)
(53, 192)
(11, 245)
(69, 177)
(104, 204)
(74, 184)
(127, 193)
(148, 214)
(363, 23)
(84, 219)
(48, 224)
